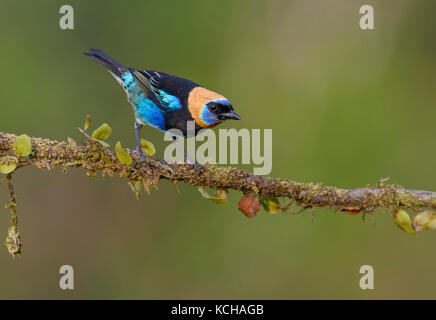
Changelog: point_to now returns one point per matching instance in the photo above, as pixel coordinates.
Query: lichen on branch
(94, 157)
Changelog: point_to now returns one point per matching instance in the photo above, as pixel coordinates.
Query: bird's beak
(230, 115)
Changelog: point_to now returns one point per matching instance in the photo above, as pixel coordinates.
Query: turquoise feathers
(146, 111)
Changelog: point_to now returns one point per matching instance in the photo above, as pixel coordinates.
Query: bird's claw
(141, 154)
(196, 166)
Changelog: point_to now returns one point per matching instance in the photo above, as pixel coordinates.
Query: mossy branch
(92, 157)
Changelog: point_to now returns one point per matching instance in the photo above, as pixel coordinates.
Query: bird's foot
(141, 154)
(196, 166)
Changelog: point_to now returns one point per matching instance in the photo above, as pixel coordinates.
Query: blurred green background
(346, 106)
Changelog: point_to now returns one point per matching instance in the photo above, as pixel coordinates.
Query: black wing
(150, 86)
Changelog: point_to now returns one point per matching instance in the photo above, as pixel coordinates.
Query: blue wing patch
(168, 100)
(150, 86)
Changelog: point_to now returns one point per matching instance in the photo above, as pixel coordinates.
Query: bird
(164, 101)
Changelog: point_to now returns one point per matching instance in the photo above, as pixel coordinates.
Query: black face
(222, 111)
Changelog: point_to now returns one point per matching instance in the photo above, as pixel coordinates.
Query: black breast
(178, 119)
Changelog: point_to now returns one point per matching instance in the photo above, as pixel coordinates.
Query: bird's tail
(113, 66)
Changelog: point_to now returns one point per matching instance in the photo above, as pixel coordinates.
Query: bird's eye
(212, 107)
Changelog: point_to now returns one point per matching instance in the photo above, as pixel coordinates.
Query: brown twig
(13, 240)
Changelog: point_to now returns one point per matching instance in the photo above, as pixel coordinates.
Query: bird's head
(209, 109)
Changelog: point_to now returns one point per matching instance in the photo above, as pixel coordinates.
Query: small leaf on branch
(402, 219)
(103, 143)
(425, 220)
(249, 205)
(8, 164)
(22, 146)
(13, 241)
(220, 195)
(122, 154)
(87, 122)
(7, 168)
(102, 133)
(270, 205)
(147, 147)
